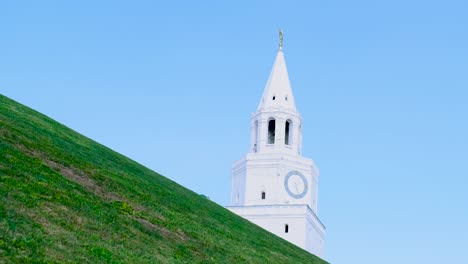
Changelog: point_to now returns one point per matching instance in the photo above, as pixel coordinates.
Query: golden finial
(280, 39)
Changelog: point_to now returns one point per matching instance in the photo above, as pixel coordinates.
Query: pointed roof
(278, 92)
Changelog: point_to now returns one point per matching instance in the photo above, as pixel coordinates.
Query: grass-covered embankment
(66, 198)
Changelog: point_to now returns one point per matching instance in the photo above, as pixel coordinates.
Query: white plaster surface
(304, 228)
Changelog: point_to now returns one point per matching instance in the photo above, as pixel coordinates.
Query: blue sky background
(381, 85)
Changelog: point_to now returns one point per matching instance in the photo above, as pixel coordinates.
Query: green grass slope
(66, 198)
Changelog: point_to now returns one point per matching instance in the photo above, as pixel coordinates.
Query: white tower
(273, 185)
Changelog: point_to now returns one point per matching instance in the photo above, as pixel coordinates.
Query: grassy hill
(66, 198)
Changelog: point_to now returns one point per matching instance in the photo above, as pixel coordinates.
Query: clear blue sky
(381, 85)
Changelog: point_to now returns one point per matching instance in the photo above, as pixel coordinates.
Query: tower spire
(278, 92)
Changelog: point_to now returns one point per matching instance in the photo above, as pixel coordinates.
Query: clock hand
(297, 190)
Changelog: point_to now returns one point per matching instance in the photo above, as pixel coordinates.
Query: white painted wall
(305, 229)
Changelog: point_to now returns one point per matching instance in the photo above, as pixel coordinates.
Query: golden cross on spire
(280, 39)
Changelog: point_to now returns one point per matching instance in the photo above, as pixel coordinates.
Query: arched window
(286, 228)
(299, 140)
(271, 131)
(263, 195)
(256, 136)
(287, 134)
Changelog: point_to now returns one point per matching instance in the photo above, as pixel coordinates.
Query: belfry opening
(271, 131)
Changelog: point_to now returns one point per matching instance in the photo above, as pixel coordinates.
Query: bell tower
(276, 124)
(273, 185)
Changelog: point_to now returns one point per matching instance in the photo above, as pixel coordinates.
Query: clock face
(295, 184)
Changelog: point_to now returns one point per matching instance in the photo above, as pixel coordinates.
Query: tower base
(296, 223)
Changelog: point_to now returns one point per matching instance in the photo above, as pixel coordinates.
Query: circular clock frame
(304, 181)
